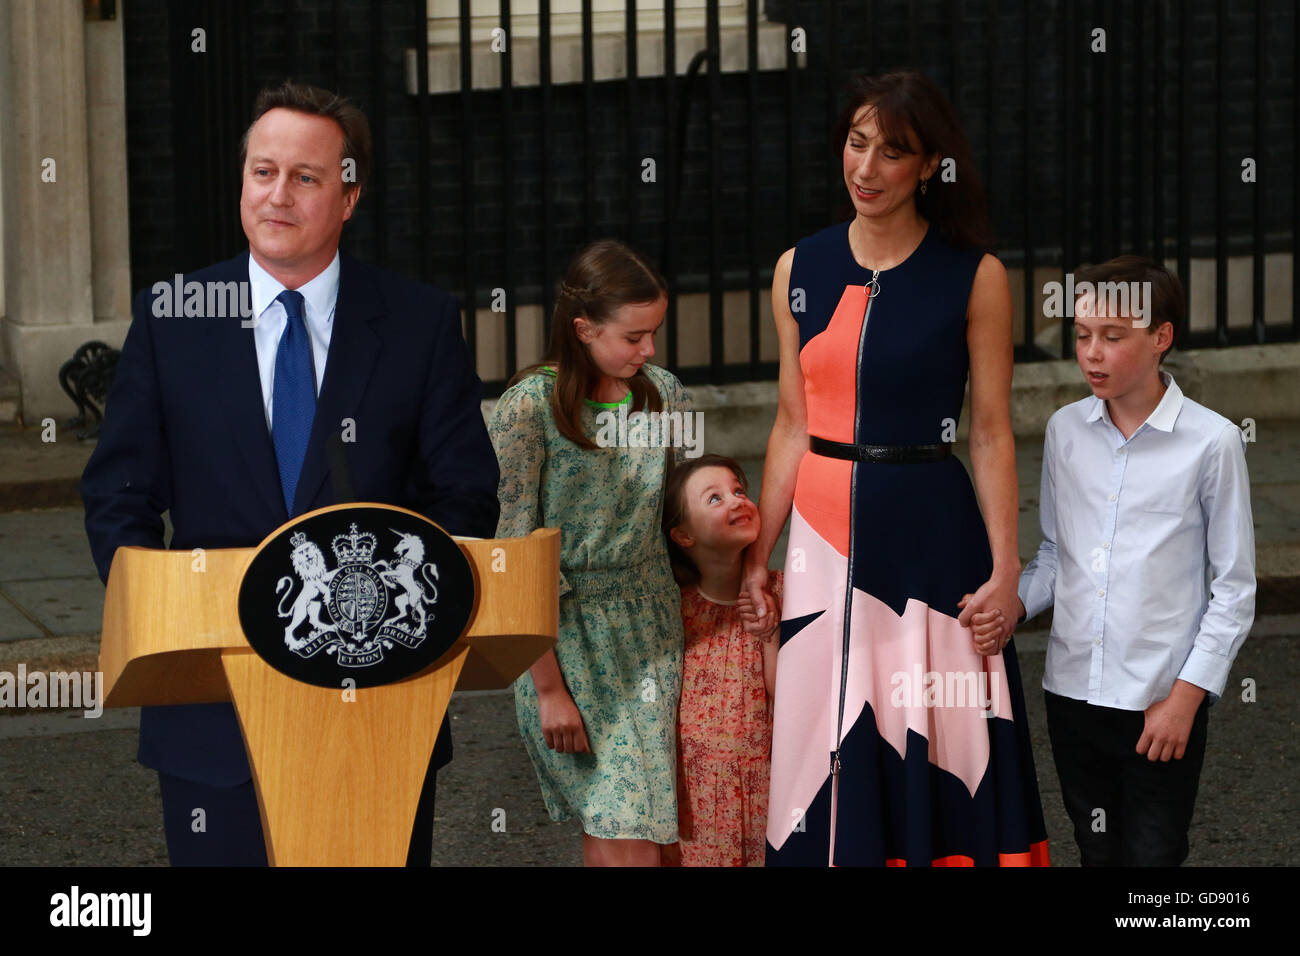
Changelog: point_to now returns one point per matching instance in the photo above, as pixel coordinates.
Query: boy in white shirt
(1148, 558)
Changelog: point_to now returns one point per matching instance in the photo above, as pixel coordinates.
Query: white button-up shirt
(319, 298)
(1148, 552)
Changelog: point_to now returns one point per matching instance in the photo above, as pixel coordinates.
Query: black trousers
(1126, 810)
(228, 830)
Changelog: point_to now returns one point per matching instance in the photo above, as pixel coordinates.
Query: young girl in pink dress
(725, 716)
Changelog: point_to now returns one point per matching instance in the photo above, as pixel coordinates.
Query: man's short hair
(1168, 302)
(318, 102)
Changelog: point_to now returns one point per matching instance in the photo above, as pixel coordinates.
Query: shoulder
(819, 267)
(1068, 417)
(660, 375)
(1214, 434)
(783, 265)
(527, 398)
(990, 292)
(398, 292)
(989, 269)
(981, 269)
(834, 235)
(820, 244)
(781, 277)
(669, 385)
(232, 270)
(537, 386)
(1195, 416)
(218, 291)
(1075, 411)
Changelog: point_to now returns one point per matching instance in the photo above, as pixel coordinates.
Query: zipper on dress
(872, 289)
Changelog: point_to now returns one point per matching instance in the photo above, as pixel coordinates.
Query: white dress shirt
(319, 298)
(1148, 552)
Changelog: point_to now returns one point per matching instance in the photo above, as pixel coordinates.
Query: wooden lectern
(337, 779)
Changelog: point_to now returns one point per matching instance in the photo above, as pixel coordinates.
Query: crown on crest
(297, 540)
(354, 547)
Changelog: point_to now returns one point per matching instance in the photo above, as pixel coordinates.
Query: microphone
(340, 470)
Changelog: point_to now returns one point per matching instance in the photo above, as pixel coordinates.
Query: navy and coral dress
(934, 759)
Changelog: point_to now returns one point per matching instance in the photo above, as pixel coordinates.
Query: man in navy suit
(213, 419)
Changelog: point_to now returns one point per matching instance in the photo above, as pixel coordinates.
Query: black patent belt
(891, 454)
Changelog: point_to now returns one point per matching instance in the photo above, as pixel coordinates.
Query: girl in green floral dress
(580, 446)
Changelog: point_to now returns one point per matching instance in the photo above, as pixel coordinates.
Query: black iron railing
(1087, 153)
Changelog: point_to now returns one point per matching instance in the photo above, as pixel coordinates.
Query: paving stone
(62, 605)
(44, 544)
(14, 625)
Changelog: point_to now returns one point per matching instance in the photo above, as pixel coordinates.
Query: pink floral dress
(724, 727)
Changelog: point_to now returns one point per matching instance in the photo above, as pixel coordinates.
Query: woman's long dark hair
(906, 98)
(601, 278)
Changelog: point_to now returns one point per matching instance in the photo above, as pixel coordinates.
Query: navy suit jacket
(185, 431)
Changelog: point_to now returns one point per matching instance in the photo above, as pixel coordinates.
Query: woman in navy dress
(920, 756)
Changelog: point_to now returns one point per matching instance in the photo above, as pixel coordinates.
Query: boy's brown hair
(1168, 302)
(684, 570)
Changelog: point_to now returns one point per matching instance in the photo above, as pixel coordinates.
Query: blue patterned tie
(293, 396)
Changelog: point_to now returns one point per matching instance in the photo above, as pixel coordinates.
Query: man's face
(293, 204)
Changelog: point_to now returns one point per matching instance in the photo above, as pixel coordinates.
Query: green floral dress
(620, 641)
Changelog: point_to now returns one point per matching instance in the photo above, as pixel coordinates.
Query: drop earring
(923, 182)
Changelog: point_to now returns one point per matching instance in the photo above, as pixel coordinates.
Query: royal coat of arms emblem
(398, 595)
(357, 595)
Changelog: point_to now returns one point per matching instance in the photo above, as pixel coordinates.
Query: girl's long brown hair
(684, 570)
(601, 278)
